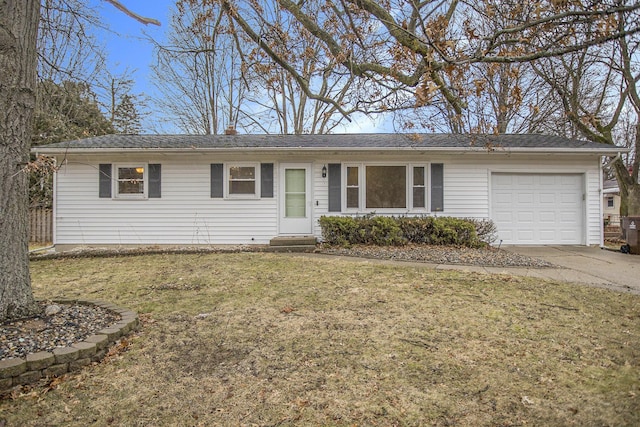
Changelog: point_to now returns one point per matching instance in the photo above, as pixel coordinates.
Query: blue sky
(126, 43)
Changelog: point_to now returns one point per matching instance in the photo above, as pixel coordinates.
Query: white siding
(186, 214)
(467, 183)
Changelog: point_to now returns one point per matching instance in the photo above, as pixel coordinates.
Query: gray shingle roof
(533, 142)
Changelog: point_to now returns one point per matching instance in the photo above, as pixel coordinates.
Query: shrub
(386, 231)
(485, 229)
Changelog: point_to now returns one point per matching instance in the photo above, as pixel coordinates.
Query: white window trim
(426, 185)
(115, 187)
(408, 188)
(345, 167)
(227, 180)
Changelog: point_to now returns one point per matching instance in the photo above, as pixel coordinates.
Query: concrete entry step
(293, 244)
(293, 241)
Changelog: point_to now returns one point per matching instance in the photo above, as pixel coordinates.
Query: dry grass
(263, 339)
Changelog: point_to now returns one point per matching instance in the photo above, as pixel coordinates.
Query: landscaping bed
(460, 255)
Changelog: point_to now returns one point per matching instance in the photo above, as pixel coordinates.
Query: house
(611, 202)
(247, 189)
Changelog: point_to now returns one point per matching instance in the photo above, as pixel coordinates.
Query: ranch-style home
(249, 189)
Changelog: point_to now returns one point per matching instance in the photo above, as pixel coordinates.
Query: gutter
(516, 150)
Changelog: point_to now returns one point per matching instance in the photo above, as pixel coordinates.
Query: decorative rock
(52, 310)
(29, 358)
(65, 354)
(12, 367)
(85, 349)
(39, 360)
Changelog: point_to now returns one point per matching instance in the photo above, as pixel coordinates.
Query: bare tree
(199, 71)
(67, 49)
(277, 103)
(598, 88)
(422, 47)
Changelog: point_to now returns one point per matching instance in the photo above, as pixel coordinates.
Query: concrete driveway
(583, 264)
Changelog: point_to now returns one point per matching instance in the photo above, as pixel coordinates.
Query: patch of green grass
(266, 339)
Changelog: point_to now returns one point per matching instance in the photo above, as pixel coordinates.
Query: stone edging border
(35, 366)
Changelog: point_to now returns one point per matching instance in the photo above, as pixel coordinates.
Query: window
(353, 188)
(610, 203)
(242, 180)
(393, 187)
(130, 181)
(419, 187)
(139, 181)
(386, 187)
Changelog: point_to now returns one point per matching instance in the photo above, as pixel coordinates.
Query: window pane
(295, 205)
(419, 191)
(386, 187)
(131, 187)
(418, 197)
(352, 197)
(295, 181)
(131, 173)
(352, 176)
(242, 172)
(418, 176)
(242, 187)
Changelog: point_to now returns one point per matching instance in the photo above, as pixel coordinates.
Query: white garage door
(537, 209)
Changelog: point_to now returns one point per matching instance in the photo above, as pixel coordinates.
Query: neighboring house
(611, 202)
(248, 189)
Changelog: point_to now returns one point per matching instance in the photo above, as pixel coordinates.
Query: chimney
(230, 130)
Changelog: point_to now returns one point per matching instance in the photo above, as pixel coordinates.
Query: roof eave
(605, 151)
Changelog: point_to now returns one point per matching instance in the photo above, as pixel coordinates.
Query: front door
(295, 199)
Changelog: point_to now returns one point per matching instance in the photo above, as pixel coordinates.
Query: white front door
(295, 199)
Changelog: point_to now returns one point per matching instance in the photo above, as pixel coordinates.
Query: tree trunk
(633, 201)
(18, 30)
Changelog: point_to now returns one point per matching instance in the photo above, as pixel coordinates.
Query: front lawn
(266, 339)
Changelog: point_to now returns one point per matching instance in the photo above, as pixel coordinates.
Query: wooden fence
(40, 225)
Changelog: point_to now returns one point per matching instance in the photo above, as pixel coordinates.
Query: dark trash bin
(630, 233)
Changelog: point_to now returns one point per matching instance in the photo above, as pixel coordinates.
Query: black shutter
(155, 181)
(266, 180)
(217, 180)
(104, 174)
(335, 187)
(437, 187)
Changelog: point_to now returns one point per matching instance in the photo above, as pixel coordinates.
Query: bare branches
(124, 9)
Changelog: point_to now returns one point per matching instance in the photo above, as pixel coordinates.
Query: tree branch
(141, 19)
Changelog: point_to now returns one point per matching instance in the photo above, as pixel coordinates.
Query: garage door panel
(524, 180)
(548, 237)
(525, 198)
(547, 198)
(524, 217)
(524, 236)
(548, 217)
(538, 208)
(548, 179)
